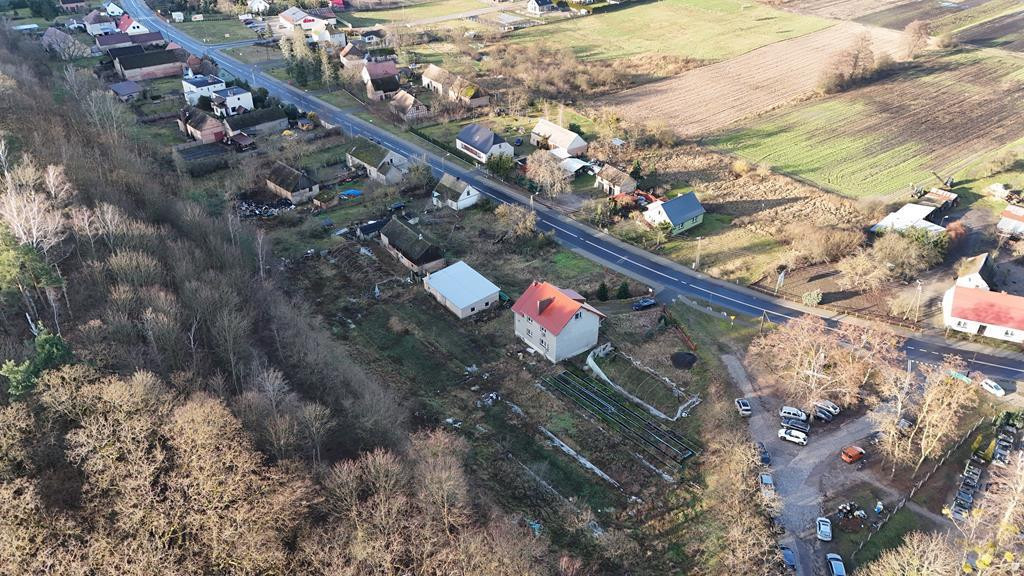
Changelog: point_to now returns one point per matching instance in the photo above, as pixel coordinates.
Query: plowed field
(709, 98)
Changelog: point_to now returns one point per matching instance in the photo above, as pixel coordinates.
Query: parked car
(965, 496)
(794, 413)
(767, 483)
(827, 406)
(989, 385)
(851, 454)
(835, 565)
(823, 415)
(762, 451)
(793, 436)
(958, 512)
(788, 557)
(823, 528)
(644, 304)
(397, 206)
(796, 425)
(874, 438)
(743, 406)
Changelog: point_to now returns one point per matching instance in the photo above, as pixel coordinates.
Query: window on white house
(529, 333)
(472, 309)
(578, 315)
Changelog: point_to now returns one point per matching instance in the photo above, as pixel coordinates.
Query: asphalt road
(670, 277)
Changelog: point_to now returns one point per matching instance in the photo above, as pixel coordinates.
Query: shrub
(741, 167)
(623, 292)
(602, 291)
(812, 297)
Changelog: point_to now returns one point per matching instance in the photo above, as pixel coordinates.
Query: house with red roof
(129, 26)
(556, 322)
(985, 312)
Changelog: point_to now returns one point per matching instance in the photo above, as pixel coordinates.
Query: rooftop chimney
(543, 305)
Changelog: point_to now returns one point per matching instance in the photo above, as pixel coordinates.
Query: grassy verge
(216, 31)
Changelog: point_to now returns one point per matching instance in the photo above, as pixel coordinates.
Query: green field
(945, 115)
(701, 29)
(216, 31)
(418, 11)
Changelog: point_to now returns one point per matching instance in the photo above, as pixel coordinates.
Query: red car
(852, 454)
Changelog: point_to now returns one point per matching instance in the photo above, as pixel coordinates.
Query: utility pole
(917, 303)
(696, 262)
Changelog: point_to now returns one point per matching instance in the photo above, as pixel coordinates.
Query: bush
(623, 292)
(946, 40)
(602, 292)
(812, 298)
(741, 167)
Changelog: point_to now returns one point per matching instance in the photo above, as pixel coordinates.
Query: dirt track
(707, 99)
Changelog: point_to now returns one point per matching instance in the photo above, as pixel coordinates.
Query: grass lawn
(418, 11)
(164, 86)
(254, 54)
(731, 253)
(701, 29)
(165, 105)
(162, 134)
(639, 383)
(891, 535)
(339, 98)
(216, 31)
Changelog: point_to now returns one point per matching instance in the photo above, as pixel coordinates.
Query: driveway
(802, 474)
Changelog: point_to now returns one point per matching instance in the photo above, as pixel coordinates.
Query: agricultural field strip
(745, 86)
(665, 446)
(840, 9)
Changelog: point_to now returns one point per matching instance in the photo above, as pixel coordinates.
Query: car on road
(823, 528)
(743, 406)
(827, 406)
(797, 425)
(788, 557)
(851, 454)
(794, 413)
(990, 386)
(835, 565)
(793, 436)
(762, 452)
(644, 304)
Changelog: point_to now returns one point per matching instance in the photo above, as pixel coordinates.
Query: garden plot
(658, 445)
(710, 98)
(944, 114)
(898, 16)
(1006, 32)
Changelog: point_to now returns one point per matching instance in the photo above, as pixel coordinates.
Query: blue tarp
(350, 193)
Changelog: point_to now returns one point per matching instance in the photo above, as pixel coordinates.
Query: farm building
(149, 39)
(381, 89)
(113, 9)
(126, 91)
(681, 213)
(976, 272)
(410, 247)
(148, 66)
(200, 126)
(98, 23)
(108, 42)
(1011, 221)
(230, 101)
(557, 323)
(909, 216)
(381, 165)
(199, 85)
(480, 143)
(979, 311)
(454, 87)
(352, 56)
(408, 107)
(317, 23)
(257, 122)
(295, 185)
(461, 289)
(551, 136)
(455, 193)
(116, 53)
(614, 181)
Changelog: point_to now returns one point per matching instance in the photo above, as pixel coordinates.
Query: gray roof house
(680, 213)
(480, 143)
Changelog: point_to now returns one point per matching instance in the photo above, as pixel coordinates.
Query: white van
(794, 413)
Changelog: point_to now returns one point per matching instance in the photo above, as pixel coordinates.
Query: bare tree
(943, 404)
(518, 221)
(916, 36)
(317, 423)
(920, 553)
(543, 169)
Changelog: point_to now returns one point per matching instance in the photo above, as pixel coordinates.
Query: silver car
(824, 529)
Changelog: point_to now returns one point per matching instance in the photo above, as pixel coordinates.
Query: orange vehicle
(852, 454)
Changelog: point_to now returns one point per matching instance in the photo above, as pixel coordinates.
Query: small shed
(414, 250)
(295, 185)
(461, 289)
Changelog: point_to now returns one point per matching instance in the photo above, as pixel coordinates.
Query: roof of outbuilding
(461, 285)
(126, 88)
(557, 136)
(386, 84)
(404, 102)
(410, 242)
(201, 81)
(196, 118)
(368, 152)
(125, 51)
(682, 208)
(437, 74)
(113, 39)
(381, 69)
(96, 17)
(450, 187)
(147, 38)
(614, 176)
(288, 178)
(551, 306)
(479, 137)
(351, 50)
(255, 118)
(145, 60)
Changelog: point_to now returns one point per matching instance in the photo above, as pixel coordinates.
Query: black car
(823, 415)
(794, 424)
(644, 304)
(965, 496)
(762, 451)
(397, 206)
